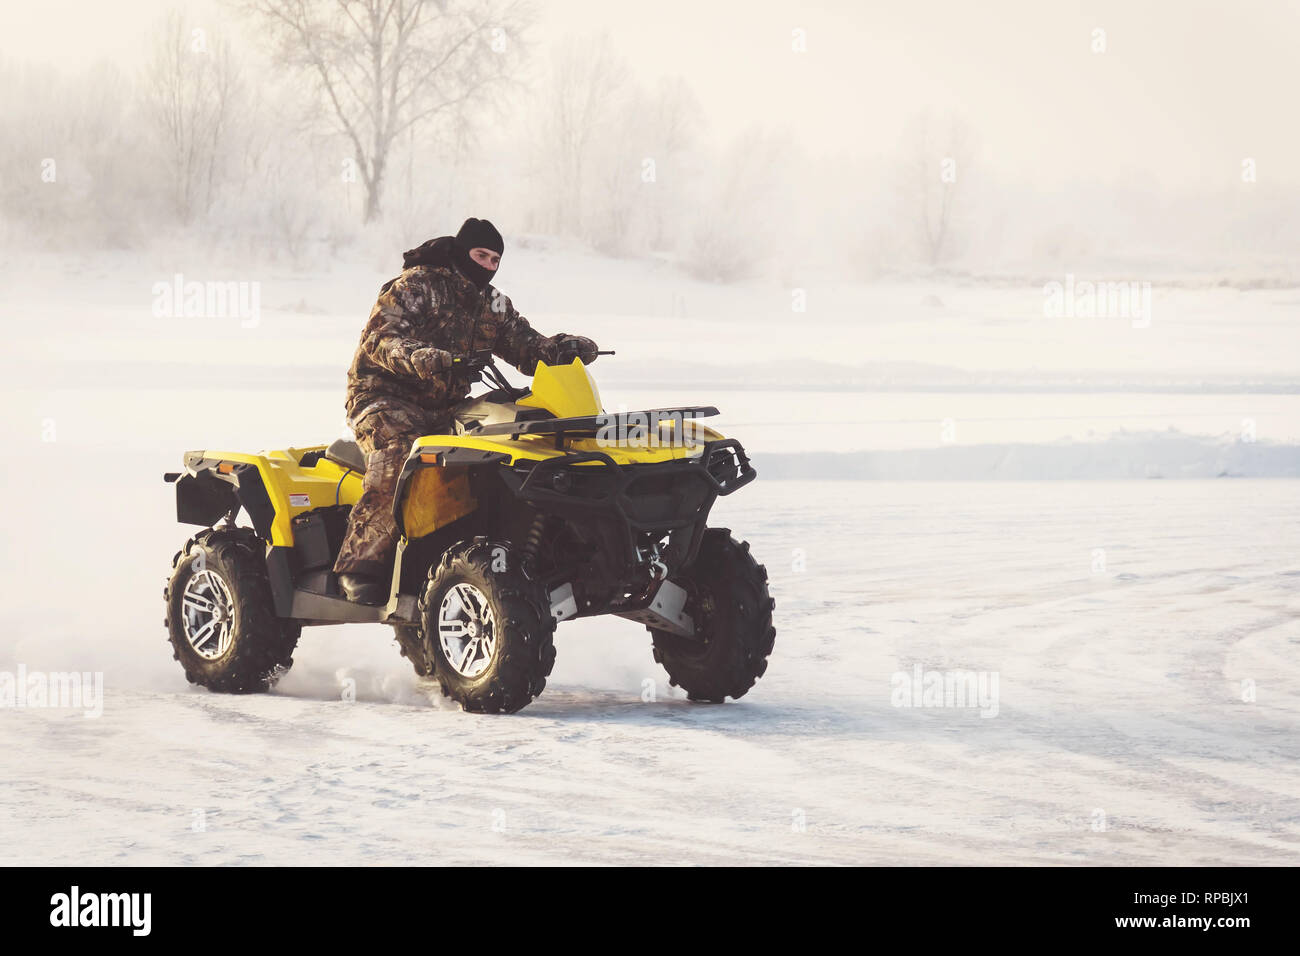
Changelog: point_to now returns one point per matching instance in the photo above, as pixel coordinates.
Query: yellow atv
(540, 508)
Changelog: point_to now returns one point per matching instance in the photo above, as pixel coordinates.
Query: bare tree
(675, 118)
(587, 82)
(639, 175)
(744, 207)
(938, 157)
(190, 86)
(384, 67)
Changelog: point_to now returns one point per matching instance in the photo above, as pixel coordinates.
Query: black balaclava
(476, 234)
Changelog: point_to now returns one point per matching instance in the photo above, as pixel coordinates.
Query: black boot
(364, 588)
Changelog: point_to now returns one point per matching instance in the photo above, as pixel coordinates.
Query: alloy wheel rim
(467, 630)
(207, 614)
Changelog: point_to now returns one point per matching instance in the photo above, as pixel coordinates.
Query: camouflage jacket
(435, 306)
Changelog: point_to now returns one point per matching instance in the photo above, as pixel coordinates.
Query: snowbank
(1168, 454)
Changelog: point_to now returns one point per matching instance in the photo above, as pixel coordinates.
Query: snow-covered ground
(1120, 735)
(1142, 633)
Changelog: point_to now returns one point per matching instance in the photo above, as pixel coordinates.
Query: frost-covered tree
(584, 92)
(385, 67)
(936, 163)
(190, 87)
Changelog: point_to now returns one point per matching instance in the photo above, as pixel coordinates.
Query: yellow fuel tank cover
(566, 391)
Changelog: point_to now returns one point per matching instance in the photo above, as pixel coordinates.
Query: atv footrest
(312, 608)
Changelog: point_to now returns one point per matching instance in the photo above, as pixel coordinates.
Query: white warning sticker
(300, 501)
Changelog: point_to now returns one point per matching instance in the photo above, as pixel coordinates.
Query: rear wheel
(488, 630)
(221, 618)
(732, 610)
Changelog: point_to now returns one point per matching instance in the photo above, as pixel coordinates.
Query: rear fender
(212, 488)
(273, 488)
(245, 477)
(204, 499)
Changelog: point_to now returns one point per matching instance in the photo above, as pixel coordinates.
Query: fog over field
(801, 143)
(945, 199)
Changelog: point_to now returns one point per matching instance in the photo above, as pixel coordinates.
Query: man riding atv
(411, 369)
(474, 527)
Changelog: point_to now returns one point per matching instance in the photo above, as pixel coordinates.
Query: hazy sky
(1185, 90)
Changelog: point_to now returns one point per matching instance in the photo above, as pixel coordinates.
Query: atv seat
(347, 453)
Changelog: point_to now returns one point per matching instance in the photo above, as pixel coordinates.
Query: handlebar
(481, 364)
(474, 362)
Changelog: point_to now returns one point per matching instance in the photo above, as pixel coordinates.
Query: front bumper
(636, 501)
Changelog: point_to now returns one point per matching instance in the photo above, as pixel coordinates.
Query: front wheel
(732, 610)
(488, 630)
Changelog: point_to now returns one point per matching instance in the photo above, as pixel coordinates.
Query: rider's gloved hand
(465, 368)
(566, 348)
(429, 361)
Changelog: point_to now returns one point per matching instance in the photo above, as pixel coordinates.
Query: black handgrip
(474, 361)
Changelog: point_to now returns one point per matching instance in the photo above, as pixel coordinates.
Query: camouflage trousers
(385, 431)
